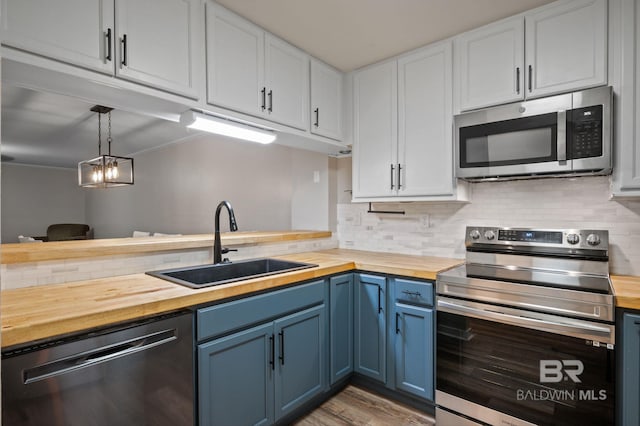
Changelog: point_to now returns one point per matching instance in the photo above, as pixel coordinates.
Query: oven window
(540, 377)
(519, 141)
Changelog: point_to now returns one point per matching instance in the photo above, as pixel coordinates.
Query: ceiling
(54, 130)
(349, 34)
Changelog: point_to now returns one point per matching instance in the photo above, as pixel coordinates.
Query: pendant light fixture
(105, 171)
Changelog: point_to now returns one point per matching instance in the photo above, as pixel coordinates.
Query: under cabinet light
(225, 127)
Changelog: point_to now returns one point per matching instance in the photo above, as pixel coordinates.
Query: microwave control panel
(586, 132)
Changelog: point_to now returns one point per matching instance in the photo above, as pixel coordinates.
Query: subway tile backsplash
(437, 229)
(29, 274)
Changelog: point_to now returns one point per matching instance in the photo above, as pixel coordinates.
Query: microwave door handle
(562, 136)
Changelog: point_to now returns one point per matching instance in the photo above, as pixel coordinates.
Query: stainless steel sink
(224, 273)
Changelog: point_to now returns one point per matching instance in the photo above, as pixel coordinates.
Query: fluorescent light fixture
(226, 127)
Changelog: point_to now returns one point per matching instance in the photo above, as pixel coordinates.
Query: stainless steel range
(525, 330)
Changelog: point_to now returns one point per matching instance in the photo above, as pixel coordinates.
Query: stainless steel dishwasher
(134, 374)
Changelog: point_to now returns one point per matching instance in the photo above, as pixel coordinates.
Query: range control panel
(569, 238)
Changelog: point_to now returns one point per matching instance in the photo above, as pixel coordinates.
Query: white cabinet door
(626, 170)
(566, 47)
(326, 100)
(375, 130)
(73, 31)
(155, 43)
(287, 82)
(425, 142)
(235, 62)
(489, 64)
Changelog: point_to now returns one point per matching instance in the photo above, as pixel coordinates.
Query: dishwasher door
(135, 374)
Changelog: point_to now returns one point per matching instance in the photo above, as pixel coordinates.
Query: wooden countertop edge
(65, 250)
(626, 290)
(36, 331)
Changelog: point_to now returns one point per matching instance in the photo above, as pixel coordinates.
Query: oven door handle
(580, 329)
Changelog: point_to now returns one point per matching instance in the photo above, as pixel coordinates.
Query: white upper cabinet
(566, 47)
(76, 32)
(251, 71)
(425, 139)
(326, 100)
(489, 64)
(403, 144)
(557, 48)
(287, 81)
(626, 83)
(156, 43)
(375, 130)
(146, 41)
(235, 62)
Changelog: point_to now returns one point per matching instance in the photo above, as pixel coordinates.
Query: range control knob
(573, 238)
(593, 239)
(475, 234)
(489, 235)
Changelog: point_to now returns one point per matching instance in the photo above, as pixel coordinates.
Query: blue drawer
(414, 292)
(226, 317)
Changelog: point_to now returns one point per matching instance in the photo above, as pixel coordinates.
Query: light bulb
(115, 170)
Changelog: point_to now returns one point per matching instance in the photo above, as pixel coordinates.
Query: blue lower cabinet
(300, 359)
(341, 327)
(414, 350)
(235, 384)
(630, 395)
(257, 375)
(370, 323)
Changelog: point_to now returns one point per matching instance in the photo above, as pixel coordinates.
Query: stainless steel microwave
(568, 134)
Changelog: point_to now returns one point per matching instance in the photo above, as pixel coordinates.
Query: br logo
(555, 370)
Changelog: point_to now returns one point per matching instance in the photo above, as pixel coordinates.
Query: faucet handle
(225, 250)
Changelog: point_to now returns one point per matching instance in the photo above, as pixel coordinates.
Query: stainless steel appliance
(525, 330)
(567, 134)
(133, 374)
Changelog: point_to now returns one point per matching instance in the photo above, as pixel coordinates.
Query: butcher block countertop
(56, 250)
(41, 312)
(627, 291)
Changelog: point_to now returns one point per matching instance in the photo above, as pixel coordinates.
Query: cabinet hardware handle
(636, 322)
(108, 37)
(518, 80)
(264, 98)
(530, 77)
(397, 319)
(392, 169)
(411, 293)
(281, 357)
(379, 299)
(270, 101)
(124, 50)
(399, 176)
(317, 111)
(272, 361)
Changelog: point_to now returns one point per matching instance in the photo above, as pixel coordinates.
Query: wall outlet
(316, 176)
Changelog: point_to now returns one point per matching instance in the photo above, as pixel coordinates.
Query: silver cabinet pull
(411, 293)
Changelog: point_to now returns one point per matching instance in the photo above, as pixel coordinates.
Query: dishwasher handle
(98, 356)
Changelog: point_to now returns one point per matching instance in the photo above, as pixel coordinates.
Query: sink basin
(224, 273)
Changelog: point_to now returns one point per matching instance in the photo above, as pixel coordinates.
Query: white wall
(35, 197)
(178, 186)
(438, 229)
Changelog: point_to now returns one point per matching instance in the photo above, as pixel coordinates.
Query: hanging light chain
(109, 133)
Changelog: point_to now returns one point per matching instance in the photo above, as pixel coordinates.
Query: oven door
(508, 366)
(520, 138)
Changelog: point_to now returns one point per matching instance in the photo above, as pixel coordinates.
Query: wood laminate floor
(355, 406)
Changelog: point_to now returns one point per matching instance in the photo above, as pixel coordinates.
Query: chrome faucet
(218, 250)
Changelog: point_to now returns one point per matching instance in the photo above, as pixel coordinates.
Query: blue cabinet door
(630, 397)
(370, 336)
(235, 385)
(414, 350)
(341, 326)
(300, 358)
